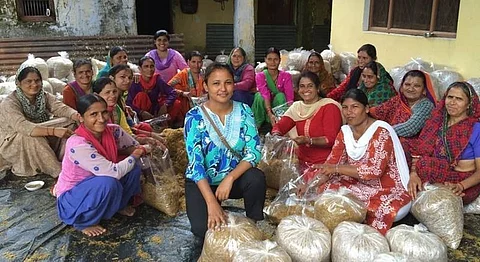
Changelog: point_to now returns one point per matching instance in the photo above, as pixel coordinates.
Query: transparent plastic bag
(260, 67)
(475, 82)
(473, 207)
(349, 61)
(295, 77)
(417, 243)
(60, 66)
(419, 64)
(334, 59)
(160, 188)
(196, 101)
(352, 241)
(443, 78)
(159, 123)
(394, 257)
(333, 207)
(261, 251)
(7, 88)
(221, 245)
(305, 239)
(297, 58)
(280, 110)
(38, 63)
(283, 60)
(279, 160)
(397, 74)
(441, 212)
(57, 85)
(223, 58)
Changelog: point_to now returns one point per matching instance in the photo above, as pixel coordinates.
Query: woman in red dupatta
(448, 148)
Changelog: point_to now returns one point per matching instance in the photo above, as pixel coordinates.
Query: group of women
(392, 143)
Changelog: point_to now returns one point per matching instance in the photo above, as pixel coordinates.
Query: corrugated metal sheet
(13, 51)
(220, 37)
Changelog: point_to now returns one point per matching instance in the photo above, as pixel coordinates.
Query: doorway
(153, 16)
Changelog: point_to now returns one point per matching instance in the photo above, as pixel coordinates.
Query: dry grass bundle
(277, 211)
(176, 145)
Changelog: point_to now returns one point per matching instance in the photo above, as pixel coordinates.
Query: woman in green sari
(377, 84)
(274, 89)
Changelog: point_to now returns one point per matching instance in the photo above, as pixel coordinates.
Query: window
(35, 10)
(415, 17)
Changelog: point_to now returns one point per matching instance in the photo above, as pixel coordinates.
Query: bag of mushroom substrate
(221, 245)
(441, 212)
(256, 251)
(160, 188)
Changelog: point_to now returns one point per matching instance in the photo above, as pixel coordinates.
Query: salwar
(251, 186)
(97, 198)
(259, 110)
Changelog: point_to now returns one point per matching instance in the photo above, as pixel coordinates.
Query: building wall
(460, 53)
(74, 18)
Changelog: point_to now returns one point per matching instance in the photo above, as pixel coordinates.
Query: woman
(317, 121)
(408, 111)
(94, 184)
(122, 75)
(376, 84)
(365, 54)
(220, 170)
(188, 83)
(368, 159)
(243, 75)
(29, 144)
(315, 65)
(143, 97)
(83, 73)
(167, 60)
(448, 148)
(116, 56)
(275, 88)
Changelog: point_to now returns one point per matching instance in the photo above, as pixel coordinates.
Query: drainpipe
(244, 27)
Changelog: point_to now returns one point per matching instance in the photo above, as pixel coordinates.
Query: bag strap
(222, 138)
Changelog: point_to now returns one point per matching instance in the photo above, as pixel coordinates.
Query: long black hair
(84, 102)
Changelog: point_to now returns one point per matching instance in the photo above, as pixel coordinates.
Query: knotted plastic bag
(221, 245)
(442, 79)
(441, 212)
(475, 82)
(416, 242)
(305, 239)
(38, 63)
(352, 241)
(261, 251)
(334, 59)
(349, 61)
(473, 207)
(335, 206)
(397, 74)
(279, 160)
(60, 66)
(394, 257)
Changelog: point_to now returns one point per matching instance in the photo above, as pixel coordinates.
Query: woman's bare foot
(127, 211)
(94, 231)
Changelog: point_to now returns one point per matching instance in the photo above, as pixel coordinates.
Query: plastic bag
(97, 65)
(473, 207)
(297, 58)
(397, 74)
(349, 61)
(416, 242)
(221, 245)
(223, 58)
(475, 82)
(394, 257)
(442, 79)
(441, 212)
(419, 64)
(11, 78)
(196, 101)
(352, 241)
(258, 251)
(2, 97)
(159, 123)
(57, 85)
(280, 110)
(206, 62)
(279, 160)
(295, 77)
(334, 207)
(334, 59)
(7, 88)
(47, 87)
(59, 66)
(327, 65)
(160, 188)
(260, 67)
(305, 239)
(38, 63)
(283, 60)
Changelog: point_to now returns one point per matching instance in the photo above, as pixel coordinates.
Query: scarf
(36, 113)
(430, 95)
(142, 100)
(300, 111)
(159, 65)
(354, 78)
(237, 73)
(357, 149)
(382, 91)
(441, 141)
(107, 147)
(270, 83)
(79, 92)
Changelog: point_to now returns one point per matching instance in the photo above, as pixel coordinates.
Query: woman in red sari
(368, 159)
(448, 148)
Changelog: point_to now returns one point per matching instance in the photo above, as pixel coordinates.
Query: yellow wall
(194, 26)
(461, 54)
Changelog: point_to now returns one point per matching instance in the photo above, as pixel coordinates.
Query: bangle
(144, 151)
(336, 168)
(463, 188)
(54, 131)
(311, 141)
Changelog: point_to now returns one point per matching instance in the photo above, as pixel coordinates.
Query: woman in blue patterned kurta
(214, 172)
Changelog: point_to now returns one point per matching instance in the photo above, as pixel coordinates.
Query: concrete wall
(74, 18)
(460, 53)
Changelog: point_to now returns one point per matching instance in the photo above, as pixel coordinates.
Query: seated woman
(274, 88)
(408, 111)
(368, 159)
(243, 75)
(317, 121)
(223, 148)
(94, 184)
(376, 84)
(29, 144)
(143, 97)
(188, 83)
(366, 53)
(448, 148)
(116, 56)
(315, 65)
(82, 85)
(167, 61)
